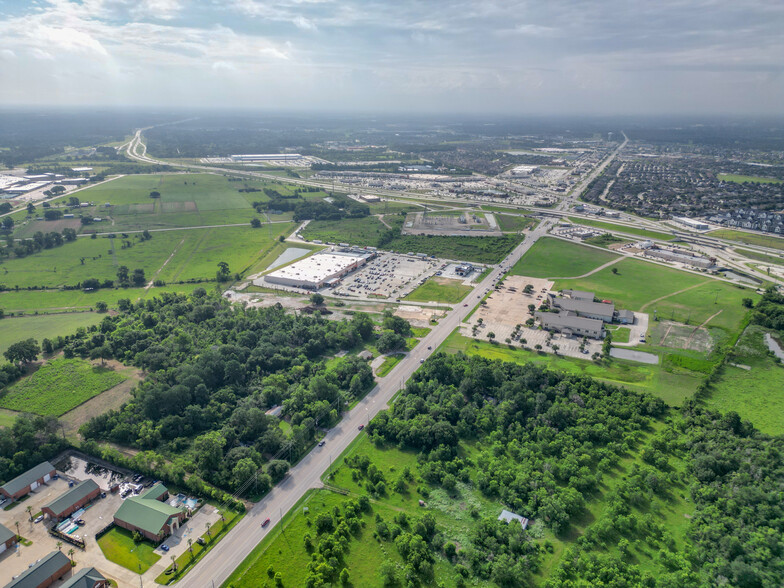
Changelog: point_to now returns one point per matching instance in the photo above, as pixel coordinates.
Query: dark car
(361, 427)
(321, 443)
(80, 522)
(165, 547)
(266, 522)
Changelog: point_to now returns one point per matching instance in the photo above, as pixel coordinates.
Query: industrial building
(25, 483)
(87, 578)
(45, 572)
(525, 170)
(370, 198)
(7, 538)
(149, 515)
(691, 223)
(319, 270)
(569, 323)
(72, 181)
(680, 257)
(72, 500)
(267, 157)
(25, 188)
(585, 308)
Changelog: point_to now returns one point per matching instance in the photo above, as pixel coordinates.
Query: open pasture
(749, 238)
(557, 258)
(15, 329)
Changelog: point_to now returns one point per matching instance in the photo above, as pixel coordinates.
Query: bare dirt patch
(680, 336)
(113, 398)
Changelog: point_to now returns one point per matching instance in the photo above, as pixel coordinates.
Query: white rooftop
(316, 268)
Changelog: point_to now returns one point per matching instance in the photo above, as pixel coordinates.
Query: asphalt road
(227, 555)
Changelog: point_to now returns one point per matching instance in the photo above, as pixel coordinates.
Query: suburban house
(87, 578)
(7, 538)
(149, 515)
(569, 323)
(583, 307)
(45, 572)
(508, 517)
(29, 481)
(72, 500)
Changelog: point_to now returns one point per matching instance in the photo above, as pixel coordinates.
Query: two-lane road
(227, 555)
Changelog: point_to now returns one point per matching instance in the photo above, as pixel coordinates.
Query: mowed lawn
(13, 329)
(739, 179)
(638, 283)
(59, 386)
(673, 388)
(756, 394)
(118, 546)
(556, 258)
(623, 229)
(749, 238)
(438, 289)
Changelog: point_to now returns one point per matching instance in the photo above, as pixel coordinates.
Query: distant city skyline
(558, 57)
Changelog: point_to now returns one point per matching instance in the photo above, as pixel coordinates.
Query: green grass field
(756, 394)
(389, 362)
(671, 387)
(438, 289)
(647, 234)
(507, 222)
(637, 284)
(7, 418)
(749, 238)
(738, 179)
(59, 386)
(368, 232)
(771, 259)
(117, 546)
(14, 329)
(557, 258)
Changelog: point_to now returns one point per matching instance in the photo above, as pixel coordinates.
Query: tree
(155, 194)
(344, 577)
(73, 201)
(69, 235)
(748, 302)
(30, 208)
(317, 299)
(29, 510)
(491, 335)
(70, 556)
(174, 562)
(615, 271)
(56, 190)
(123, 275)
(102, 352)
(390, 341)
(101, 306)
(23, 351)
(255, 223)
(146, 235)
(223, 271)
(190, 546)
(8, 223)
(138, 278)
(388, 573)
(208, 525)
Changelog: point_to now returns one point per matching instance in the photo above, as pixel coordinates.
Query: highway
(227, 555)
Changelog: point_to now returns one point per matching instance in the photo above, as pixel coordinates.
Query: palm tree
(70, 555)
(174, 562)
(29, 510)
(208, 530)
(190, 546)
(59, 545)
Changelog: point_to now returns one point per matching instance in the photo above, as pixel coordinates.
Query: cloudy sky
(504, 56)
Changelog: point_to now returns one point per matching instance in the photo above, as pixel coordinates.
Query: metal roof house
(87, 578)
(149, 515)
(7, 538)
(509, 516)
(25, 483)
(45, 572)
(72, 500)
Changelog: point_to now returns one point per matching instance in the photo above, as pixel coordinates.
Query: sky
(486, 56)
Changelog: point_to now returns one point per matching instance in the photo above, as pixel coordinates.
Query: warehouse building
(149, 514)
(691, 223)
(45, 572)
(87, 578)
(25, 483)
(583, 307)
(569, 323)
(7, 538)
(267, 157)
(318, 270)
(680, 257)
(72, 500)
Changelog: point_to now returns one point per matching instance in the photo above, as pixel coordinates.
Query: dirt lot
(680, 336)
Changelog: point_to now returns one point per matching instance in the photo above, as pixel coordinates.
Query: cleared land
(371, 232)
(13, 329)
(771, 259)
(756, 394)
(59, 386)
(748, 238)
(557, 258)
(622, 228)
(438, 289)
(738, 179)
(507, 222)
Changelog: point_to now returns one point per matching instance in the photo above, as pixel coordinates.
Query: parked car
(361, 427)
(321, 443)
(266, 522)
(421, 360)
(80, 522)
(103, 494)
(39, 518)
(165, 547)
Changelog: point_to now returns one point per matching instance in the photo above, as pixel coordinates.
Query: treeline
(341, 206)
(28, 442)
(38, 242)
(769, 311)
(214, 370)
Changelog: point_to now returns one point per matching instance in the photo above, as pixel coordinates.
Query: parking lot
(96, 517)
(390, 275)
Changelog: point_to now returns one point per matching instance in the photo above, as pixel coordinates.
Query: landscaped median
(196, 551)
